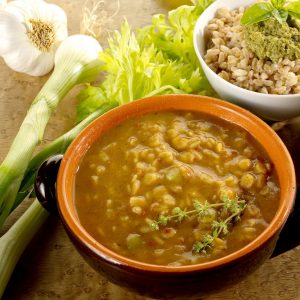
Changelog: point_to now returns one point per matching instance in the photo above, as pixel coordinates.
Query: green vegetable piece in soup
(133, 241)
(174, 175)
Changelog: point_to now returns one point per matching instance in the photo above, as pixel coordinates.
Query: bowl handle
(45, 183)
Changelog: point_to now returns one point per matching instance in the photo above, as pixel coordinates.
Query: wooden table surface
(51, 268)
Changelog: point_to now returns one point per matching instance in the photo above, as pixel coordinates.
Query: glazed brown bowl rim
(174, 102)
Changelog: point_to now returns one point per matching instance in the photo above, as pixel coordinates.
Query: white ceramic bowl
(271, 107)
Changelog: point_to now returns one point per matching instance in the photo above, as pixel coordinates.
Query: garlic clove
(55, 15)
(21, 9)
(43, 64)
(36, 9)
(27, 8)
(11, 31)
(28, 59)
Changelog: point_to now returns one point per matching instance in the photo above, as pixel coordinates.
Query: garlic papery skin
(30, 32)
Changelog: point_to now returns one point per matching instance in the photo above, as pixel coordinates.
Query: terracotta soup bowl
(169, 282)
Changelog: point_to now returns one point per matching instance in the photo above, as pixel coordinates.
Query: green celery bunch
(159, 59)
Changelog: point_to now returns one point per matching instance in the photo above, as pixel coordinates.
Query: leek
(14, 242)
(76, 61)
(58, 146)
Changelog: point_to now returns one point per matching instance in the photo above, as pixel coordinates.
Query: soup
(175, 188)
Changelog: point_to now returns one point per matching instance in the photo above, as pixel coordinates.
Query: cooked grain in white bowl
(228, 56)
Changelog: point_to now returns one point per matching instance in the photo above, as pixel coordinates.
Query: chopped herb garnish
(221, 227)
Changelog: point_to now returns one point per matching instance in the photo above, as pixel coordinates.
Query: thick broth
(149, 165)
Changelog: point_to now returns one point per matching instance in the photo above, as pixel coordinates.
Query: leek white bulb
(78, 56)
(31, 31)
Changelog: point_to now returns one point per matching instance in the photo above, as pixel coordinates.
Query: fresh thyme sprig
(234, 207)
(218, 228)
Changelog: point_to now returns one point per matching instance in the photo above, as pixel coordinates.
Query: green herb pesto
(271, 40)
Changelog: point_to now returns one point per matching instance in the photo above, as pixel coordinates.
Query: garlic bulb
(31, 31)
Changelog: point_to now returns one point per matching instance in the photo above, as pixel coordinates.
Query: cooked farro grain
(228, 56)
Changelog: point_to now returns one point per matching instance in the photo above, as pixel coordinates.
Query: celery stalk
(14, 242)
